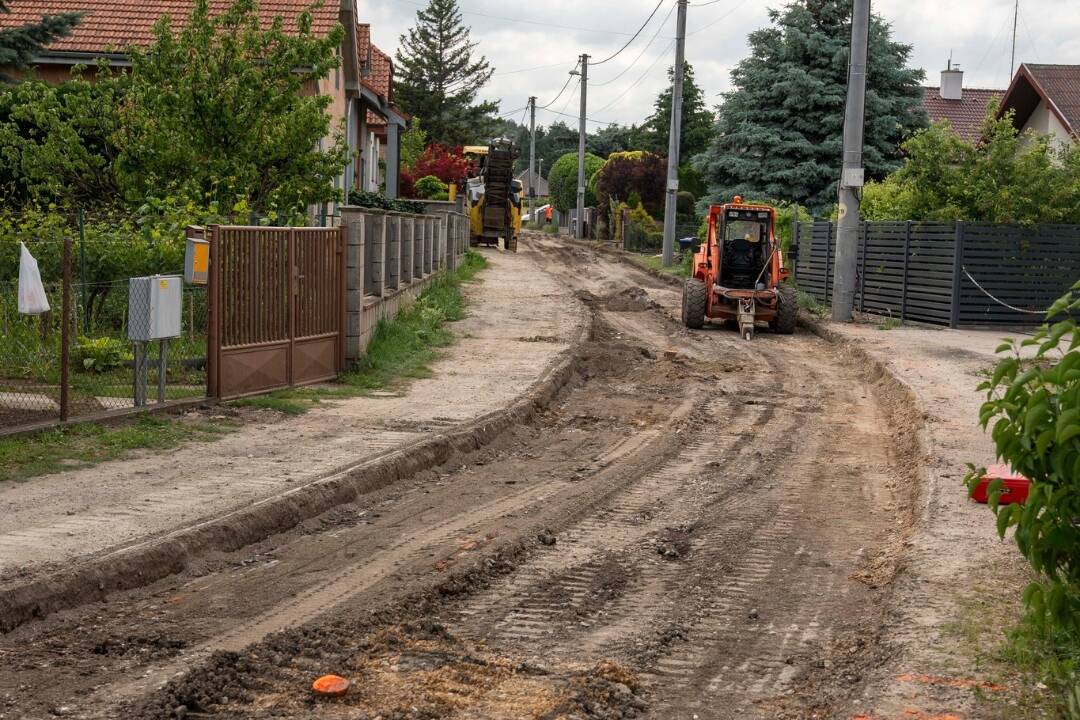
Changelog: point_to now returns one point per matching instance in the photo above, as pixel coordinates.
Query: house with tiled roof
(964, 108)
(361, 90)
(1046, 100)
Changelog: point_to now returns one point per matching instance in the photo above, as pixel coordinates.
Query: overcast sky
(977, 32)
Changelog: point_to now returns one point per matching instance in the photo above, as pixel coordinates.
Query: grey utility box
(154, 307)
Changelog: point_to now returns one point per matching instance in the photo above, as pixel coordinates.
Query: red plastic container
(1014, 487)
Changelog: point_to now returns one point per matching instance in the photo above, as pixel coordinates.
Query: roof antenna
(1012, 60)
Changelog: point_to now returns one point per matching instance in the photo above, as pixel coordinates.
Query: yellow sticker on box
(201, 261)
(163, 284)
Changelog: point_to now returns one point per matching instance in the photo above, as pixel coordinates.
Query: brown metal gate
(277, 308)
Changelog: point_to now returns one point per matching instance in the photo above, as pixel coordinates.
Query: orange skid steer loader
(738, 271)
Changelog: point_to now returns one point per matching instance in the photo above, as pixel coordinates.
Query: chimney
(952, 83)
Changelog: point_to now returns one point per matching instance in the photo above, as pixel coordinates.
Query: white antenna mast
(1012, 60)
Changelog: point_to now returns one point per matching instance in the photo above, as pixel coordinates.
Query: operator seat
(742, 262)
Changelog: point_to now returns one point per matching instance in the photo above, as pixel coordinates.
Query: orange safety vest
(548, 213)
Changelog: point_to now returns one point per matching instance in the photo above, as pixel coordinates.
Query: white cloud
(976, 32)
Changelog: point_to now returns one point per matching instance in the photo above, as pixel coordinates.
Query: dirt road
(698, 527)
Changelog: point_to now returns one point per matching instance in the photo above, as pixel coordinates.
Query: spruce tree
(780, 130)
(438, 76)
(697, 120)
(19, 45)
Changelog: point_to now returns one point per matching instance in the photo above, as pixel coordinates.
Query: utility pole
(851, 176)
(579, 231)
(671, 204)
(532, 158)
(1012, 60)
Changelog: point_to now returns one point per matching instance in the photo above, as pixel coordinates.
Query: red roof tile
(378, 77)
(966, 114)
(1061, 85)
(111, 25)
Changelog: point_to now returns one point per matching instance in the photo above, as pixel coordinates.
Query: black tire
(787, 310)
(693, 303)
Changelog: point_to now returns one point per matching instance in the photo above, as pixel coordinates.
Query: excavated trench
(695, 527)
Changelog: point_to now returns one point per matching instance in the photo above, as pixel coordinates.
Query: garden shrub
(100, 354)
(429, 186)
(1033, 410)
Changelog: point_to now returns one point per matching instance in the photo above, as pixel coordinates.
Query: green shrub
(1033, 410)
(99, 354)
(429, 187)
(684, 202)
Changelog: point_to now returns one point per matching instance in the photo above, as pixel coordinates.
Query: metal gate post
(903, 282)
(163, 364)
(65, 335)
(958, 261)
(862, 267)
(290, 292)
(828, 262)
(213, 297)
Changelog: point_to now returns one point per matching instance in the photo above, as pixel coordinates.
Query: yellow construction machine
(493, 196)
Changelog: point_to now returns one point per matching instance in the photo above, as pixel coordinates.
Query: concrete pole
(671, 204)
(851, 177)
(579, 230)
(532, 158)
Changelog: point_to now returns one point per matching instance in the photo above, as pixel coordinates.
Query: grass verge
(1025, 667)
(88, 444)
(401, 349)
(680, 269)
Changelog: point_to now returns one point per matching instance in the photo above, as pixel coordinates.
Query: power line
(645, 74)
(588, 119)
(642, 53)
(635, 37)
(709, 25)
(526, 21)
(569, 99)
(569, 77)
(530, 69)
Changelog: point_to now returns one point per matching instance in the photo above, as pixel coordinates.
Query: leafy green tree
(217, 111)
(438, 75)
(697, 120)
(563, 180)
(1005, 178)
(56, 142)
(615, 138)
(413, 143)
(779, 131)
(19, 45)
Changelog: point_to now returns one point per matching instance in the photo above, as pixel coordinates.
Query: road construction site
(588, 511)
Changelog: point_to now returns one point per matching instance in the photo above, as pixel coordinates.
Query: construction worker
(548, 214)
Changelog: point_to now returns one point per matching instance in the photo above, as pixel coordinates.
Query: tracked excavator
(738, 273)
(493, 196)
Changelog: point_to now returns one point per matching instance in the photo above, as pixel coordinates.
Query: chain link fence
(52, 370)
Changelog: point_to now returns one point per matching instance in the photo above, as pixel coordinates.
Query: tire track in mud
(729, 548)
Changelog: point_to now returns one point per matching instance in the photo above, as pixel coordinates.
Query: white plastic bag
(32, 297)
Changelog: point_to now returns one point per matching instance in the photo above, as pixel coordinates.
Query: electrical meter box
(155, 306)
(197, 261)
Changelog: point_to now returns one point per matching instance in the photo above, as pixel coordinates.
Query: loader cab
(743, 236)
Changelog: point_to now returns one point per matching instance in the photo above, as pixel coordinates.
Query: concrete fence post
(417, 247)
(356, 282)
(405, 222)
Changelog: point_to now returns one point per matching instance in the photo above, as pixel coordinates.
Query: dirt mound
(632, 299)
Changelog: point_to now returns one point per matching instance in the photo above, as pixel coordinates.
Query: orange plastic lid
(330, 685)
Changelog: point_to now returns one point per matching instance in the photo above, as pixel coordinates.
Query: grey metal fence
(947, 273)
